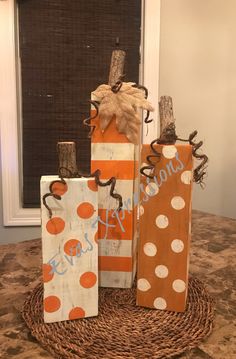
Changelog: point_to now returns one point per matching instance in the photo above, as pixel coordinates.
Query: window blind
(65, 51)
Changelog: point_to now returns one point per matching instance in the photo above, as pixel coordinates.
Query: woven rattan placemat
(122, 329)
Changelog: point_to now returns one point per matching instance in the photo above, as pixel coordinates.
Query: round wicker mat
(122, 329)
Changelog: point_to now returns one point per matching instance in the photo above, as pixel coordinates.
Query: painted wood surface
(114, 155)
(165, 225)
(70, 250)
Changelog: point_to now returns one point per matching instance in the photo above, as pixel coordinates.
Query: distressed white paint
(67, 286)
(162, 221)
(117, 279)
(160, 303)
(117, 248)
(112, 151)
(150, 249)
(114, 247)
(161, 271)
(143, 284)
(126, 187)
(177, 245)
(177, 203)
(179, 285)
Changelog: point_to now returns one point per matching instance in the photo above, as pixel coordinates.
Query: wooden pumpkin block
(165, 222)
(70, 251)
(114, 155)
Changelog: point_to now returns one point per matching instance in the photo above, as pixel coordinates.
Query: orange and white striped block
(165, 225)
(114, 155)
(70, 250)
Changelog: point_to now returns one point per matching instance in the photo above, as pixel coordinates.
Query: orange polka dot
(88, 279)
(96, 237)
(72, 247)
(92, 185)
(85, 210)
(55, 225)
(59, 188)
(51, 304)
(76, 313)
(47, 276)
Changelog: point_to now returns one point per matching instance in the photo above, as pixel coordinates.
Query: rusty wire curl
(96, 175)
(141, 87)
(116, 88)
(56, 196)
(199, 172)
(169, 137)
(87, 121)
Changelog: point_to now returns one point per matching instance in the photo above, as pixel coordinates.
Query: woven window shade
(65, 50)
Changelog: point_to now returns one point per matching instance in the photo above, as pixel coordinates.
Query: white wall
(198, 70)
(15, 234)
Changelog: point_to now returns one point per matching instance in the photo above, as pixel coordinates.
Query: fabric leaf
(124, 105)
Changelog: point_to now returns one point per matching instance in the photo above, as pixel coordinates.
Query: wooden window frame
(13, 212)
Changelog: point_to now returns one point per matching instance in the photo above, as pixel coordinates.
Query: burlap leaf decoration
(124, 105)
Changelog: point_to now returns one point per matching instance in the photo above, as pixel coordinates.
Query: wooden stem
(166, 112)
(117, 66)
(67, 158)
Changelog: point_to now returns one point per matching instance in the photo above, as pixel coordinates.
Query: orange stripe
(119, 169)
(115, 264)
(109, 135)
(121, 224)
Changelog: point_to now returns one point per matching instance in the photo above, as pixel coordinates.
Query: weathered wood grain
(166, 112)
(117, 66)
(117, 232)
(67, 158)
(165, 225)
(70, 251)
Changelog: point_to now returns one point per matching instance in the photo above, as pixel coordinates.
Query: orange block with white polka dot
(165, 218)
(70, 249)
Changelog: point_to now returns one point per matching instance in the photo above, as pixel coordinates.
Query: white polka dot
(169, 151)
(152, 189)
(160, 303)
(177, 202)
(186, 177)
(141, 210)
(177, 246)
(161, 271)
(162, 221)
(179, 285)
(150, 249)
(143, 284)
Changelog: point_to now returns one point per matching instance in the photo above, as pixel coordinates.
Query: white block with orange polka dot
(165, 221)
(70, 250)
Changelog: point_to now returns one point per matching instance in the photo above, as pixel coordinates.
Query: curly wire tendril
(200, 171)
(87, 121)
(56, 196)
(116, 88)
(169, 137)
(141, 87)
(96, 174)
